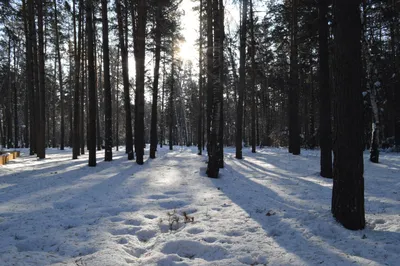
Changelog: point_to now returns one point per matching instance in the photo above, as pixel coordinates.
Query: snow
(271, 208)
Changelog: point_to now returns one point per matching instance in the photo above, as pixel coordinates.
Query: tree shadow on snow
(301, 222)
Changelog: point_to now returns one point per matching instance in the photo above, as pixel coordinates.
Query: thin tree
(348, 167)
(91, 84)
(60, 80)
(77, 55)
(209, 70)
(153, 129)
(253, 81)
(41, 149)
(325, 131)
(125, 76)
(200, 114)
(294, 127)
(140, 52)
(242, 83)
(171, 96)
(107, 86)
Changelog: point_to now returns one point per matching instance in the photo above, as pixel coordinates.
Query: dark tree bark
(153, 129)
(107, 86)
(171, 98)
(60, 81)
(214, 145)
(162, 122)
(91, 84)
(83, 90)
(41, 149)
(294, 125)
(125, 76)
(29, 79)
(200, 114)
(348, 167)
(209, 70)
(325, 131)
(15, 89)
(221, 18)
(242, 83)
(140, 69)
(253, 78)
(77, 54)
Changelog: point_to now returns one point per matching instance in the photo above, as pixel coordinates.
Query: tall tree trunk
(171, 97)
(84, 91)
(15, 97)
(91, 84)
(77, 53)
(200, 114)
(125, 76)
(253, 80)
(41, 149)
(162, 122)
(153, 129)
(221, 17)
(242, 83)
(325, 131)
(348, 167)
(28, 81)
(209, 70)
(294, 127)
(107, 86)
(214, 146)
(140, 69)
(60, 81)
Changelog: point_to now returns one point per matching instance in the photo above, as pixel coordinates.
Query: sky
(190, 25)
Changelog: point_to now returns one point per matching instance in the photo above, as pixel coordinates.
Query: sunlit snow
(271, 208)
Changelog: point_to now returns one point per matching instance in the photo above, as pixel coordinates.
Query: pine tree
(348, 167)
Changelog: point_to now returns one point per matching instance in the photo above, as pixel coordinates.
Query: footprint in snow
(195, 231)
(210, 239)
(133, 222)
(233, 233)
(145, 235)
(150, 216)
(126, 231)
(172, 192)
(173, 204)
(116, 219)
(157, 197)
(122, 241)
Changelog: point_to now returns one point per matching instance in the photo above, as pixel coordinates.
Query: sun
(187, 51)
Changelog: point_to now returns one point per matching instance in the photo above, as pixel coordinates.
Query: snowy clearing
(271, 208)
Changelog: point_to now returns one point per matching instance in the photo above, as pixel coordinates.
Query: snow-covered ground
(271, 208)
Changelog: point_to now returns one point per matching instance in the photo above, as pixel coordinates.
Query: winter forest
(199, 132)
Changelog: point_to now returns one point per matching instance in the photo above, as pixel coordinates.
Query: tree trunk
(77, 53)
(125, 76)
(209, 70)
(140, 69)
(253, 80)
(153, 129)
(325, 131)
(294, 127)
(91, 85)
(41, 149)
(200, 114)
(348, 167)
(62, 126)
(242, 83)
(171, 97)
(107, 86)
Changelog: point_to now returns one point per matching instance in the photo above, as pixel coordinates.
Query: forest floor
(271, 208)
